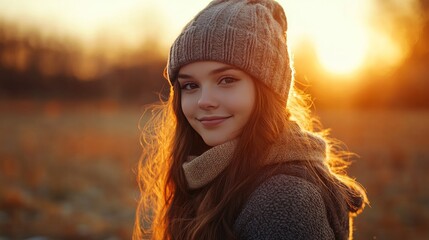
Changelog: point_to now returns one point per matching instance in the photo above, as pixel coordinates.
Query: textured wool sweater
(284, 207)
(290, 203)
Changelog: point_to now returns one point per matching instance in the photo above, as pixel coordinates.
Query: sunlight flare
(353, 35)
(342, 54)
(335, 28)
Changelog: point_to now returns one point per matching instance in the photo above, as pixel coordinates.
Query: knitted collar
(293, 144)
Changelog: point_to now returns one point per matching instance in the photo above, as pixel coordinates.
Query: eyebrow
(215, 71)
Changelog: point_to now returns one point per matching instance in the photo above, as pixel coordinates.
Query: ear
(165, 73)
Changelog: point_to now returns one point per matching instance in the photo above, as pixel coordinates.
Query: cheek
(242, 101)
(238, 103)
(187, 106)
(248, 107)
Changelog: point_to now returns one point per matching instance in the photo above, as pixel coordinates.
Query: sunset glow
(347, 36)
(350, 36)
(85, 20)
(336, 28)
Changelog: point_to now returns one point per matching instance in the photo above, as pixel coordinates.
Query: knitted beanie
(248, 34)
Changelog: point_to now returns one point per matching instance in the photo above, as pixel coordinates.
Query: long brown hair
(167, 209)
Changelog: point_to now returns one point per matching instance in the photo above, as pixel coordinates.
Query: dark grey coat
(284, 207)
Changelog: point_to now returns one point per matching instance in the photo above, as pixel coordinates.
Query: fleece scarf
(293, 144)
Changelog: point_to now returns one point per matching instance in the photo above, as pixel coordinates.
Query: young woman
(234, 152)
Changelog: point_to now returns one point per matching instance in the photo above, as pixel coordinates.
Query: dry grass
(67, 171)
(393, 165)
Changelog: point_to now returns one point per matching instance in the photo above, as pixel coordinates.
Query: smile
(212, 121)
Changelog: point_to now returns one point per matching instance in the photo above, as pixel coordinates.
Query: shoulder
(284, 207)
(283, 192)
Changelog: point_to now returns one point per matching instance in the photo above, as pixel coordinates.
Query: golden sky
(347, 35)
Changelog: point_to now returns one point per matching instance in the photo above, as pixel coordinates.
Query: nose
(207, 99)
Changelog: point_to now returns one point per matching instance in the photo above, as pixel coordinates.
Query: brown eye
(227, 80)
(189, 86)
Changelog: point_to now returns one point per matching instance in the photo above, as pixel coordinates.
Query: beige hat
(248, 34)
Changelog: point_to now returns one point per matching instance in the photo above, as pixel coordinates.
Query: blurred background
(75, 77)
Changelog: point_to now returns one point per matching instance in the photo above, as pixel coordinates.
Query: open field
(67, 169)
(393, 165)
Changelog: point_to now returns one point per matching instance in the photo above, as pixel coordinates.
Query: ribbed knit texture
(294, 145)
(250, 35)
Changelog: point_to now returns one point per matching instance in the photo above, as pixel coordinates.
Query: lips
(212, 121)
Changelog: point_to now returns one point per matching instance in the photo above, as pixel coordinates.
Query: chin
(215, 141)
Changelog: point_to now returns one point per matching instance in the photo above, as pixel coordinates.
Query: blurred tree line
(33, 65)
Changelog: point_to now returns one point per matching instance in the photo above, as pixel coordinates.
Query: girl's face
(217, 100)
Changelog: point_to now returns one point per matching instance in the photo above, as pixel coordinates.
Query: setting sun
(336, 29)
(341, 58)
(340, 38)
